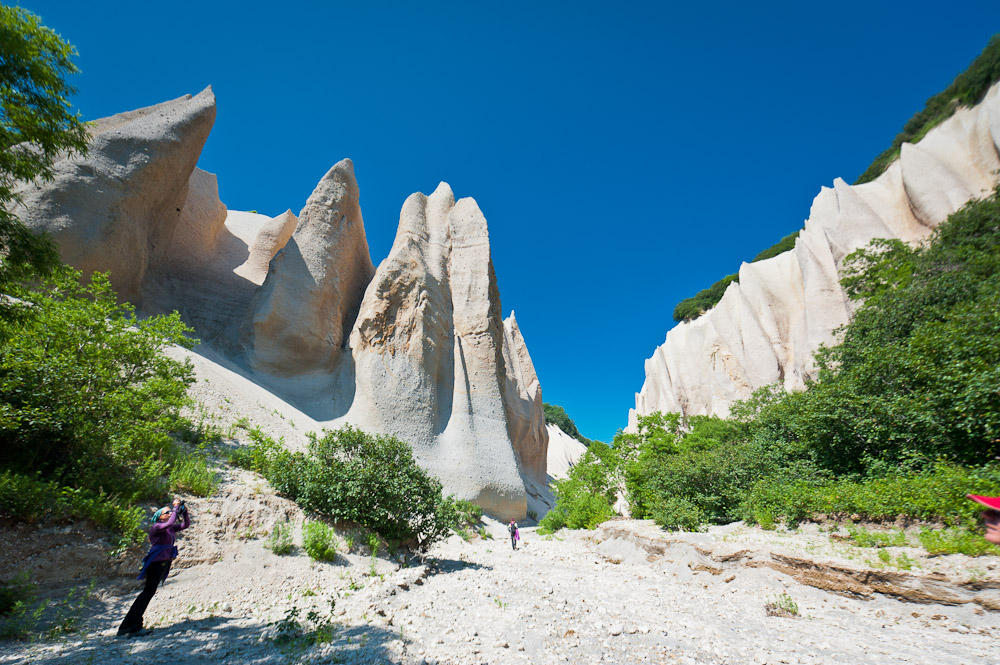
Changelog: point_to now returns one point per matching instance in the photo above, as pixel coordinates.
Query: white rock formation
(272, 237)
(563, 452)
(116, 209)
(430, 336)
(289, 304)
(303, 312)
(767, 327)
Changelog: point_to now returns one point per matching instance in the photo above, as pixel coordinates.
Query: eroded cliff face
(116, 209)
(430, 336)
(767, 326)
(294, 304)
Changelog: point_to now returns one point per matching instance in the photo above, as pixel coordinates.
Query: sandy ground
(626, 593)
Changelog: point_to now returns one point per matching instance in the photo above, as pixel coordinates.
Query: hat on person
(991, 502)
(159, 513)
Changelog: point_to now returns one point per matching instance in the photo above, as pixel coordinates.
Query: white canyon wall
(767, 327)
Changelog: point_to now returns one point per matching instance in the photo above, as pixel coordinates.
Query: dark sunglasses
(991, 515)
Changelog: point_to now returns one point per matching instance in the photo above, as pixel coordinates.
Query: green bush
(468, 513)
(89, 405)
(956, 540)
(279, 540)
(585, 497)
(866, 538)
(937, 494)
(15, 592)
(32, 499)
(676, 513)
(349, 476)
(257, 455)
(192, 474)
(319, 541)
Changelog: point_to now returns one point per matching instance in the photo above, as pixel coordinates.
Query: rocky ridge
(767, 327)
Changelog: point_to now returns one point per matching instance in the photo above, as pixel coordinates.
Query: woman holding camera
(156, 563)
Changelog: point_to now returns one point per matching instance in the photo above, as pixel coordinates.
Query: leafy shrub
(782, 606)
(279, 540)
(192, 474)
(16, 591)
(24, 617)
(257, 455)
(89, 405)
(348, 475)
(956, 540)
(30, 498)
(935, 494)
(585, 497)
(677, 514)
(319, 541)
(866, 538)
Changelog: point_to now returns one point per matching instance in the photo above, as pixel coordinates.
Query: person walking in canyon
(515, 535)
(156, 563)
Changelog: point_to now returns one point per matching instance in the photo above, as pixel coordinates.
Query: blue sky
(626, 155)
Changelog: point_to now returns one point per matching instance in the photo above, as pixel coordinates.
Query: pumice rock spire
(300, 316)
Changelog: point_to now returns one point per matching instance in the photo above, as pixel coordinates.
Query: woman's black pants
(154, 575)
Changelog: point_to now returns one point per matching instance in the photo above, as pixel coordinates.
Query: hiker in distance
(515, 535)
(156, 563)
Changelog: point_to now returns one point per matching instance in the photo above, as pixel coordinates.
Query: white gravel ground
(576, 597)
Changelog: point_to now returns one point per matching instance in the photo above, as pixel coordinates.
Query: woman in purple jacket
(156, 564)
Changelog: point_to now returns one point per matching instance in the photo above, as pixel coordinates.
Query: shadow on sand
(214, 640)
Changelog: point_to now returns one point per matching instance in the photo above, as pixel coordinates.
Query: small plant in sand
(319, 541)
(295, 635)
(279, 540)
(782, 606)
(373, 544)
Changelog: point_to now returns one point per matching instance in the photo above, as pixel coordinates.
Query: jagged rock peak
(299, 318)
(430, 335)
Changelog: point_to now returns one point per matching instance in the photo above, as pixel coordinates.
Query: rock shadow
(216, 640)
(437, 566)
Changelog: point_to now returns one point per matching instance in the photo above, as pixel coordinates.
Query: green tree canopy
(37, 125)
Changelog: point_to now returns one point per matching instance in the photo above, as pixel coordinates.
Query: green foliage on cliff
(968, 89)
(556, 415)
(693, 307)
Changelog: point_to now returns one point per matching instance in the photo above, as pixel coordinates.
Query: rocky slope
(767, 326)
(293, 306)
